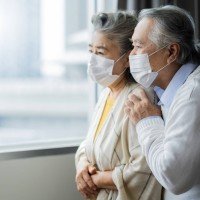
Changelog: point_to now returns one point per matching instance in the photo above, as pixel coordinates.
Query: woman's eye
(89, 50)
(100, 53)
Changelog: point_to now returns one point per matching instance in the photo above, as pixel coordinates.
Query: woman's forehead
(99, 39)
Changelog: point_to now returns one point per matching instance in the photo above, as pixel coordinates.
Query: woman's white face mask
(100, 70)
(140, 68)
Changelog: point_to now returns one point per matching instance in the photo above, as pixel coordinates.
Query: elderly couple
(144, 136)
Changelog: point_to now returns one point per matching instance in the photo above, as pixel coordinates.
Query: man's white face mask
(100, 70)
(140, 68)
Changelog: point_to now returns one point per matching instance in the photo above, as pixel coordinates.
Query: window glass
(43, 76)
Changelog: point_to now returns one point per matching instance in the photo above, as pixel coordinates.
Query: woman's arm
(133, 178)
(84, 182)
(104, 180)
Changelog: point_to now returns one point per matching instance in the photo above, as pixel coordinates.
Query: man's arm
(171, 149)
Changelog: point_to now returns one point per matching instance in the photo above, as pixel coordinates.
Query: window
(46, 97)
(44, 90)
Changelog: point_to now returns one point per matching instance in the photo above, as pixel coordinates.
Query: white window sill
(13, 141)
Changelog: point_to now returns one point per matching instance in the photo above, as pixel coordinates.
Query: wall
(38, 177)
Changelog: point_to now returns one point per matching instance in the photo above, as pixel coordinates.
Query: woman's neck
(117, 88)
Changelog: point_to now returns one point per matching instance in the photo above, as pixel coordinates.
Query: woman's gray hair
(119, 27)
(173, 25)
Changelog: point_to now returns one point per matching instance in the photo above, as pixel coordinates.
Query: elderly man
(165, 56)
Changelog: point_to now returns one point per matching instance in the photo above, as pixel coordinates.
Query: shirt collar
(159, 91)
(166, 96)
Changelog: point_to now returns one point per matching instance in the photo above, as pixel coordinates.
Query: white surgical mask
(140, 69)
(100, 70)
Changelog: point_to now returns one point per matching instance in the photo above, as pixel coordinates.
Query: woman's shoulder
(103, 95)
(136, 89)
(104, 92)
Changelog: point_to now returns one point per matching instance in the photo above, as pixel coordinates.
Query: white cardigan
(116, 148)
(172, 146)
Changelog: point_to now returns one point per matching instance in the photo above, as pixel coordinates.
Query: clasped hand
(84, 182)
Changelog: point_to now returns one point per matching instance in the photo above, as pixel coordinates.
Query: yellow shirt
(108, 105)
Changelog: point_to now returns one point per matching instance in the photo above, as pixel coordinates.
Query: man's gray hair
(173, 25)
(117, 26)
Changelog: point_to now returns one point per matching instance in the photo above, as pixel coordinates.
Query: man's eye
(137, 47)
(90, 51)
(100, 53)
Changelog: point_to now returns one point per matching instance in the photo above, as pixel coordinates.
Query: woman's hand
(103, 179)
(84, 182)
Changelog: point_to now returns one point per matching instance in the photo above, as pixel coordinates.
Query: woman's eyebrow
(101, 47)
(98, 47)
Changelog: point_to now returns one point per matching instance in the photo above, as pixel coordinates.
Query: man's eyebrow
(137, 41)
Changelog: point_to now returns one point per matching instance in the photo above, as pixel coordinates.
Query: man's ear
(174, 50)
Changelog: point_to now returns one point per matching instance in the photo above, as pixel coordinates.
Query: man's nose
(133, 52)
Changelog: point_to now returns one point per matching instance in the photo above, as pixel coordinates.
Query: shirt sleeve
(80, 157)
(172, 149)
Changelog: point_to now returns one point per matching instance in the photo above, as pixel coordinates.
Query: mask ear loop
(166, 65)
(120, 57)
(158, 50)
(118, 60)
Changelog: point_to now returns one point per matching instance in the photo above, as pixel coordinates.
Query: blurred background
(43, 79)
(46, 98)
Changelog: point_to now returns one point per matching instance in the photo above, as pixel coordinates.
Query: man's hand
(140, 107)
(85, 184)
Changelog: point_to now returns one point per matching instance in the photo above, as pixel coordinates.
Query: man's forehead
(142, 30)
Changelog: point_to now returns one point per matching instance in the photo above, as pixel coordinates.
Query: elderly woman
(109, 162)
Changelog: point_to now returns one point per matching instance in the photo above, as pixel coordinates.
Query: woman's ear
(174, 50)
(127, 58)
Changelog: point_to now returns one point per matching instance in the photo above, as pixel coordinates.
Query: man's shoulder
(193, 79)
(191, 87)
(195, 73)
